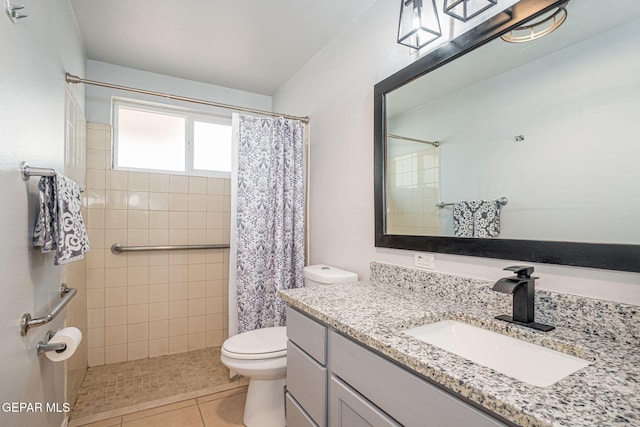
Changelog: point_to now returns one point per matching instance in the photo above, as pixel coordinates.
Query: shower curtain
(267, 219)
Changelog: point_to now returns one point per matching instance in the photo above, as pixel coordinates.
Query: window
(159, 138)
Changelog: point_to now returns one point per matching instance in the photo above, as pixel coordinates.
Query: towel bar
(29, 171)
(26, 322)
(501, 202)
(117, 248)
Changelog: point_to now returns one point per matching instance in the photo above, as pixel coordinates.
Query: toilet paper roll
(72, 337)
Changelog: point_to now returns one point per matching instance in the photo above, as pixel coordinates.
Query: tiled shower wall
(75, 273)
(413, 189)
(147, 304)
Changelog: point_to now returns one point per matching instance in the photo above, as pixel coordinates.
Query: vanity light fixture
(539, 27)
(419, 23)
(464, 10)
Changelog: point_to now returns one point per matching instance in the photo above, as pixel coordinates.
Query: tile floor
(223, 409)
(122, 389)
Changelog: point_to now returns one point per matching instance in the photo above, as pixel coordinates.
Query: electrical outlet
(425, 260)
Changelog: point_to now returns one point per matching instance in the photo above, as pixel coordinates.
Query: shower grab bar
(26, 322)
(117, 248)
(29, 171)
(500, 202)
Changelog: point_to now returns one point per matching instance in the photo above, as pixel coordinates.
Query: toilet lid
(257, 344)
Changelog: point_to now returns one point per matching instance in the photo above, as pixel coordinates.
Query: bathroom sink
(530, 363)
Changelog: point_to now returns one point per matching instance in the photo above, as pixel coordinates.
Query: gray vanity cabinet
(306, 398)
(335, 381)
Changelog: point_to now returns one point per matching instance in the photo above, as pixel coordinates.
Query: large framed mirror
(525, 151)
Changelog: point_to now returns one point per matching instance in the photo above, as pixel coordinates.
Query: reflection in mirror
(552, 125)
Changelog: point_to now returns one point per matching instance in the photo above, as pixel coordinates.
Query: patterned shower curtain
(268, 212)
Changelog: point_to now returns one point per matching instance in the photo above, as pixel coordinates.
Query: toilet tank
(320, 274)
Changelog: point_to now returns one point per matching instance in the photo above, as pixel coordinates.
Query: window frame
(190, 116)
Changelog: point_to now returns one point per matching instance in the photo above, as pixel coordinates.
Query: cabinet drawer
(308, 334)
(349, 409)
(401, 394)
(296, 417)
(307, 382)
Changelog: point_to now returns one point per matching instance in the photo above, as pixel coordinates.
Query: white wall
(99, 98)
(335, 89)
(37, 52)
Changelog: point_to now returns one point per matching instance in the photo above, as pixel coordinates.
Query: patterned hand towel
(476, 218)
(463, 219)
(486, 219)
(60, 227)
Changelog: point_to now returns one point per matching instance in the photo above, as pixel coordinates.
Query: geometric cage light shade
(419, 23)
(464, 10)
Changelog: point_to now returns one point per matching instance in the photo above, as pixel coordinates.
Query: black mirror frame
(622, 257)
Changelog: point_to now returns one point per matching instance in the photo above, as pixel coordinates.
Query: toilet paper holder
(43, 346)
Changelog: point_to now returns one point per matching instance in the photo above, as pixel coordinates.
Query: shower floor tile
(123, 388)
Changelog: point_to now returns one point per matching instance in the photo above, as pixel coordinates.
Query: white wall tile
(137, 294)
(138, 350)
(115, 354)
(117, 180)
(159, 183)
(178, 344)
(159, 329)
(197, 185)
(138, 181)
(138, 313)
(158, 311)
(95, 338)
(158, 201)
(179, 184)
(115, 335)
(158, 347)
(114, 297)
(178, 202)
(178, 327)
(115, 316)
(159, 220)
(138, 332)
(197, 341)
(138, 200)
(95, 356)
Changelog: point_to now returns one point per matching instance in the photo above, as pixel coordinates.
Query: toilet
(261, 356)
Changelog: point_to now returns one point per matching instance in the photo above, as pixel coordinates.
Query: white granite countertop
(605, 393)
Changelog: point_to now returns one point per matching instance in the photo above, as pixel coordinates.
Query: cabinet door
(348, 409)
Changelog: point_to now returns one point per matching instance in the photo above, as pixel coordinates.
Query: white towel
(60, 227)
(476, 218)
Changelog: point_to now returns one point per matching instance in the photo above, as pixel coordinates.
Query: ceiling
(254, 46)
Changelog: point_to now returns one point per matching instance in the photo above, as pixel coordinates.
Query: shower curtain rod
(406, 138)
(75, 79)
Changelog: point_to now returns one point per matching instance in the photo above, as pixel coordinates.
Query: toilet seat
(263, 343)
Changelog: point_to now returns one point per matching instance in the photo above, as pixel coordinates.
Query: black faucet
(523, 288)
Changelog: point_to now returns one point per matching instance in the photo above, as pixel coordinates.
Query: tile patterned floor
(122, 388)
(223, 409)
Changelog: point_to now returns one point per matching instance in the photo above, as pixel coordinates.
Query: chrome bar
(43, 346)
(26, 322)
(75, 79)
(117, 248)
(29, 171)
(406, 138)
(502, 201)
